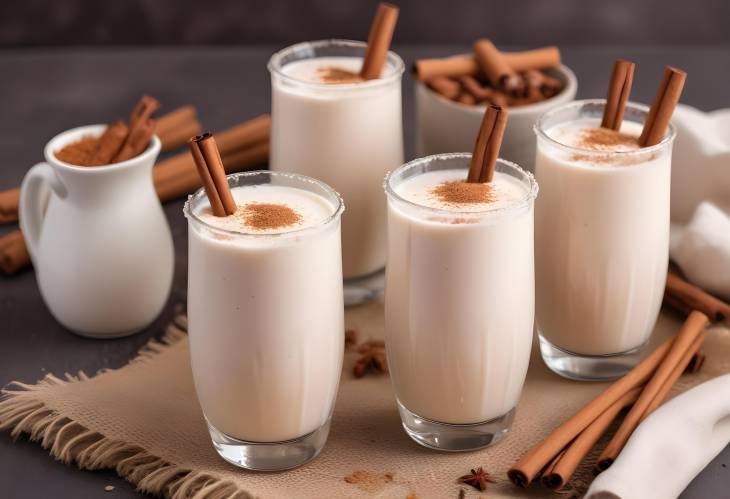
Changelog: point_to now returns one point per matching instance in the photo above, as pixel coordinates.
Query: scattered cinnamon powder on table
(369, 481)
(79, 153)
(337, 75)
(262, 216)
(464, 193)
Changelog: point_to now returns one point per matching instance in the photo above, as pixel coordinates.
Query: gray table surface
(45, 92)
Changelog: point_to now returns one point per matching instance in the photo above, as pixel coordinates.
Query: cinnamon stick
(210, 168)
(691, 329)
(486, 149)
(619, 90)
(559, 472)
(137, 140)
(445, 87)
(9, 200)
(525, 470)
(381, 34)
(480, 92)
(176, 118)
(683, 365)
(177, 137)
(13, 253)
(662, 107)
(690, 296)
(143, 111)
(466, 65)
(496, 69)
(110, 143)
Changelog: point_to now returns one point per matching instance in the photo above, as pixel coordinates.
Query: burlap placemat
(144, 420)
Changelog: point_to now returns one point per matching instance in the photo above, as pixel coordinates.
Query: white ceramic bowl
(444, 126)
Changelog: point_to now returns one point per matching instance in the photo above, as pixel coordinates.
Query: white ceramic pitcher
(98, 239)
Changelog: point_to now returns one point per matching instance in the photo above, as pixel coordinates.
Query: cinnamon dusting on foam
(604, 139)
(608, 141)
(333, 75)
(456, 193)
(267, 216)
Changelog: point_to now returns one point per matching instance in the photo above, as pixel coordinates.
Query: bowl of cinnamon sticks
(453, 93)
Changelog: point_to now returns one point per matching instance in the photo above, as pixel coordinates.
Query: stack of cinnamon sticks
(243, 147)
(489, 76)
(642, 390)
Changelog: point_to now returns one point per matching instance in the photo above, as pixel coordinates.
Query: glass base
(269, 456)
(454, 437)
(364, 288)
(588, 367)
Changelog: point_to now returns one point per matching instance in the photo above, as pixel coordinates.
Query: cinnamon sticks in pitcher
(486, 149)
(379, 39)
(242, 147)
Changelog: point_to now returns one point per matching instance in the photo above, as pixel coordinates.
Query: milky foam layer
(311, 70)
(504, 190)
(311, 208)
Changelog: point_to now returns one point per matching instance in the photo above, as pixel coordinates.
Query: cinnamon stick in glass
(379, 39)
(619, 90)
(562, 468)
(486, 148)
(689, 296)
(662, 107)
(210, 168)
(691, 329)
(530, 464)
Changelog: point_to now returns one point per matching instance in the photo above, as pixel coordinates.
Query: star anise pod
(478, 479)
(372, 359)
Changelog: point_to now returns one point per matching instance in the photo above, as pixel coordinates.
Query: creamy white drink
(602, 238)
(331, 125)
(459, 300)
(265, 310)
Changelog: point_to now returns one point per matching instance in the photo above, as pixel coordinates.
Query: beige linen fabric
(144, 420)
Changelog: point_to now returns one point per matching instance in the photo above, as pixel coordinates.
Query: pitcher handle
(33, 200)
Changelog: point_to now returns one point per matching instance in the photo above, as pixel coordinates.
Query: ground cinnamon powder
(79, 153)
(337, 75)
(262, 216)
(599, 139)
(456, 193)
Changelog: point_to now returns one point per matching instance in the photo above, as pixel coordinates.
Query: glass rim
(539, 130)
(276, 67)
(529, 196)
(190, 214)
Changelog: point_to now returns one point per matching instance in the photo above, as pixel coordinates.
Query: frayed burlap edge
(22, 412)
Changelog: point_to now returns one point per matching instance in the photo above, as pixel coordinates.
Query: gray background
(65, 63)
(521, 22)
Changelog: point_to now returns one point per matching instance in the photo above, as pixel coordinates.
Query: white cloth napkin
(701, 248)
(671, 446)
